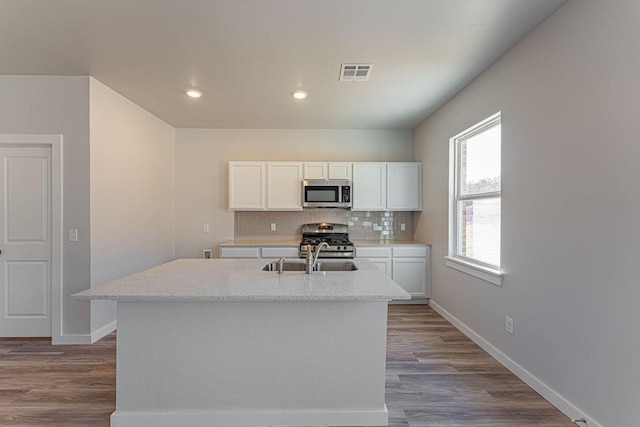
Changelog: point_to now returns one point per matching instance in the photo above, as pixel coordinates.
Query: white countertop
(296, 243)
(244, 280)
(261, 243)
(387, 243)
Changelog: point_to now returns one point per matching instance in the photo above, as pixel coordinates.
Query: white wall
(570, 102)
(201, 169)
(59, 105)
(132, 192)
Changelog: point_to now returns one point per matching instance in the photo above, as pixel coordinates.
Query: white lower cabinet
(278, 252)
(407, 265)
(242, 252)
(258, 252)
(411, 274)
(382, 264)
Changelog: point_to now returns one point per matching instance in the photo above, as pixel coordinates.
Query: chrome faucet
(311, 260)
(281, 265)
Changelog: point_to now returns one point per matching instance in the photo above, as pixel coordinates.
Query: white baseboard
(71, 339)
(75, 339)
(541, 388)
(249, 418)
(414, 301)
(104, 331)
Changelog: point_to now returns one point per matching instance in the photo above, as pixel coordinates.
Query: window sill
(487, 274)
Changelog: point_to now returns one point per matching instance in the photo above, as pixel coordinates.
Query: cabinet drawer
(410, 251)
(280, 252)
(368, 252)
(239, 252)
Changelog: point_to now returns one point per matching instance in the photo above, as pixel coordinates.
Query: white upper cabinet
(258, 186)
(369, 186)
(404, 186)
(284, 186)
(377, 186)
(316, 170)
(387, 186)
(247, 186)
(340, 171)
(324, 170)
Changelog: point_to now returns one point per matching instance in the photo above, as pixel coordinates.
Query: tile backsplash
(362, 225)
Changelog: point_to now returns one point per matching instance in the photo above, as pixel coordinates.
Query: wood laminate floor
(435, 377)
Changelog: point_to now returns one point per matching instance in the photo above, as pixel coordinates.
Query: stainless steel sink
(335, 266)
(287, 266)
(320, 266)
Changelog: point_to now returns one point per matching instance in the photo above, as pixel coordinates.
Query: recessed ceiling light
(193, 93)
(299, 94)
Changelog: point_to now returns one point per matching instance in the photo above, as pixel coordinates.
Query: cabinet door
(247, 186)
(372, 252)
(383, 264)
(340, 171)
(278, 252)
(369, 190)
(284, 186)
(404, 186)
(411, 274)
(315, 171)
(241, 252)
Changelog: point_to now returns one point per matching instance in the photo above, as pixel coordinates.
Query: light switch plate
(73, 234)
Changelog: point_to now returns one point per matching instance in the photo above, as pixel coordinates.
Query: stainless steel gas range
(336, 236)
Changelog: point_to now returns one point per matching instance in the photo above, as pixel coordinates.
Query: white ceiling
(247, 56)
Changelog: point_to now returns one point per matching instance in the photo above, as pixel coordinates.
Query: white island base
(251, 363)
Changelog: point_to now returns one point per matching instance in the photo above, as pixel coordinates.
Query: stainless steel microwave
(318, 193)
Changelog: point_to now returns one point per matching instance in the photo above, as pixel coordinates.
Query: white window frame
(474, 267)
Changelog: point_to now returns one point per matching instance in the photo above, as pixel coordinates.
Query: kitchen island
(224, 343)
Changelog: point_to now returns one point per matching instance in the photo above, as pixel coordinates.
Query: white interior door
(25, 241)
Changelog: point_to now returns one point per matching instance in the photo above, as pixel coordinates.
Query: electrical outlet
(509, 325)
(206, 254)
(205, 228)
(273, 226)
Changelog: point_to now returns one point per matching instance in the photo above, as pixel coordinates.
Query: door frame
(55, 143)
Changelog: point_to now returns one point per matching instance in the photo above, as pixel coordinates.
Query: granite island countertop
(244, 280)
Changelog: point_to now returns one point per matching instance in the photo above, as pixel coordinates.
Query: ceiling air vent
(355, 72)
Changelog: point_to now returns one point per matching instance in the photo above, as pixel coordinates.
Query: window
(474, 226)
